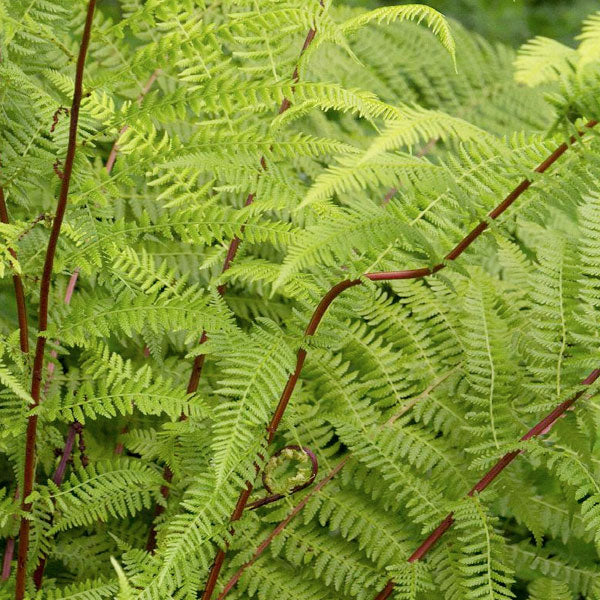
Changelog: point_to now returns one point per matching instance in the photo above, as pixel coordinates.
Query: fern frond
(407, 12)
(549, 589)
(483, 563)
(109, 489)
(543, 60)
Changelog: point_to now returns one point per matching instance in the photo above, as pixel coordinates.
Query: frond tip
(407, 12)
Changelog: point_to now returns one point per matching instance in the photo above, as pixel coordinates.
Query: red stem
(71, 288)
(18, 285)
(337, 289)
(281, 526)
(38, 363)
(235, 242)
(296, 510)
(8, 555)
(59, 474)
(24, 345)
(539, 429)
(243, 499)
(58, 478)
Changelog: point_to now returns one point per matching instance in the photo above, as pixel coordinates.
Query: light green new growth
(404, 131)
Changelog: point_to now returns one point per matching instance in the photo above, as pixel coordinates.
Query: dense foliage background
(515, 21)
(509, 21)
(291, 290)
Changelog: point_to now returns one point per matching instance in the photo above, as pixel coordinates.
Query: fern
(482, 563)
(183, 199)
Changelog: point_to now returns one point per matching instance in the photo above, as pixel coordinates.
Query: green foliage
(514, 22)
(403, 131)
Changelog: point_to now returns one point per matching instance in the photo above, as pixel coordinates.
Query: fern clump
(279, 282)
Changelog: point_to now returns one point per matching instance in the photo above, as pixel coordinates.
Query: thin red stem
(38, 363)
(337, 289)
(281, 526)
(73, 282)
(539, 429)
(235, 242)
(58, 478)
(24, 345)
(296, 510)
(243, 499)
(18, 285)
(110, 163)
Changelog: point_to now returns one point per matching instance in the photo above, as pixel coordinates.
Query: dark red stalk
(38, 574)
(337, 289)
(59, 474)
(18, 285)
(110, 163)
(38, 363)
(69, 294)
(281, 526)
(243, 499)
(539, 429)
(235, 242)
(24, 345)
(8, 554)
(58, 478)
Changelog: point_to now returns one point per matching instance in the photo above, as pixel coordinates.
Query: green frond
(110, 489)
(414, 125)
(407, 12)
(93, 589)
(8, 508)
(354, 173)
(125, 590)
(411, 579)
(589, 39)
(189, 311)
(549, 589)
(337, 563)
(378, 533)
(483, 563)
(109, 386)
(531, 563)
(235, 160)
(575, 470)
(11, 379)
(254, 369)
(490, 380)
(543, 60)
